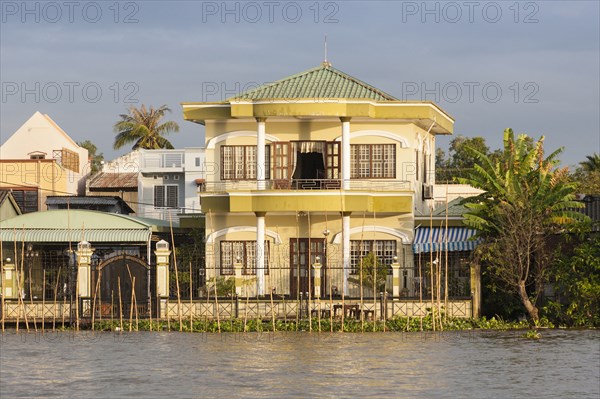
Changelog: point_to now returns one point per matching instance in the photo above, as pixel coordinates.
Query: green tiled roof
(321, 82)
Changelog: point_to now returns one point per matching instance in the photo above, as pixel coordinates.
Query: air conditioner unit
(427, 191)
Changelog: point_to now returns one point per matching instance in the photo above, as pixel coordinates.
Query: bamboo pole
(31, 298)
(131, 305)
(54, 310)
(179, 314)
(361, 275)
(439, 286)
(374, 280)
(94, 303)
(43, 299)
(100, 293)
(150, 307)
(298, 301)
(135, 307)
(343, 269)
(63, 309)
(272, 311)
(191, 302)
(112, 306)
(432, 286)
(246, 312)
(132, 280)
(446, 274)
(309, 274)
(120, 304)
(420, 291)
(215, 276)
(16, 260)
(329, 279)
(21, 278)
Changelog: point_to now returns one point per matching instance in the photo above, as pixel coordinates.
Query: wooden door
(303, 253)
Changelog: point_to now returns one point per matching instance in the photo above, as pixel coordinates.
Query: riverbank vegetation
(397, 324)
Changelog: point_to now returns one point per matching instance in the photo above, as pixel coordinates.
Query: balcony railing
(160, 213)
(167, 159)
(305, 184)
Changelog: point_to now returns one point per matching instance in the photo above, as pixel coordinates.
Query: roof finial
(326, 63)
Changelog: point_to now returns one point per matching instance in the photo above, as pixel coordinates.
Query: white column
(260, 153)
(396, 278)
(346, 248)
(345, 153)
(260, 253)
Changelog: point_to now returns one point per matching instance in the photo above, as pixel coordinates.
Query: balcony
(162, 161)
(230, 186)
(319, 195)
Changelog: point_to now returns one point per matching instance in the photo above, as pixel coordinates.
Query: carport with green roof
(54, 254)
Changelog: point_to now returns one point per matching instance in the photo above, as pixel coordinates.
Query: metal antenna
(325, 62)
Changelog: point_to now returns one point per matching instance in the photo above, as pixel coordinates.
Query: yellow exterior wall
(45, 175)
(287, 227)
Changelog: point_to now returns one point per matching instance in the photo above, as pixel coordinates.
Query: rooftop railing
(304, 185)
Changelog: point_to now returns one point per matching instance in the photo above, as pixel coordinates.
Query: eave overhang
(423, 113)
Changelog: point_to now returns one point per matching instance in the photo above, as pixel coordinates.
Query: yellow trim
(351, 202)
(420, 111)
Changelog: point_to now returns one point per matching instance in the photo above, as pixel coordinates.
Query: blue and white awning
(450, 239)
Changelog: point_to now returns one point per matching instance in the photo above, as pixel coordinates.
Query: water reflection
(412, 365)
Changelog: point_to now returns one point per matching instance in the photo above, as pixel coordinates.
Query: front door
(303, 253)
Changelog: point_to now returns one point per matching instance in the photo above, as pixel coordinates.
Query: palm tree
(143, 127)
(95, 158)
(592, 163)
(526, 199)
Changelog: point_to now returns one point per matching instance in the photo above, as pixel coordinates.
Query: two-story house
(40, 159)
(318, 168)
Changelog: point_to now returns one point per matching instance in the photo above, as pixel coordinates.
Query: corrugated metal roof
(114, 180)
(65, 235)
(74, 225)
(320, 82)
(88, 201)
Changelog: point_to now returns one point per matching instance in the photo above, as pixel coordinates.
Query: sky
(533, 66)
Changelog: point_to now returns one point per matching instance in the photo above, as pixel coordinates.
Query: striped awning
(449, 239)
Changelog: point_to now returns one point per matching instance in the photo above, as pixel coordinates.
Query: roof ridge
(323, 67)
(362, 83)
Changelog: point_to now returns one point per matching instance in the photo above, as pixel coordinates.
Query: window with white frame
(245, 251)
(384, 250)
(166, 196)
(372, 161)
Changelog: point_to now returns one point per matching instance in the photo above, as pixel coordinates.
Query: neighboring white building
(40, 159)
(443, 193)
(167, 180)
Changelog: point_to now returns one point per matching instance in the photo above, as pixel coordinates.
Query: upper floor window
(37, 155)
(166, 196)
(372, 161)
(238, 162)
(26, 199)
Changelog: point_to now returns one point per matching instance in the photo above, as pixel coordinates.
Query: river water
(562, 364)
